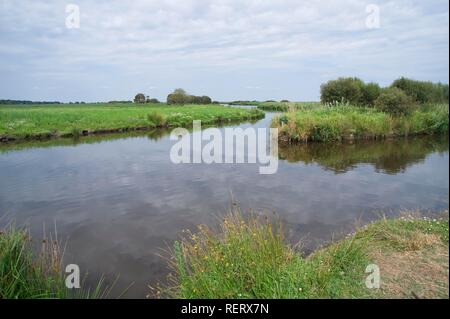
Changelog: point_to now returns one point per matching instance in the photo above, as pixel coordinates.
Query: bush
(157, 119)
(395, 102)
(369, 93)
(349, 90)
(423, 92)
(346, 90)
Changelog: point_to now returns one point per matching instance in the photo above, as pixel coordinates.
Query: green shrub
(157, 119)
(395, 102)
(369, 93)
(422, 91)
(346, 90)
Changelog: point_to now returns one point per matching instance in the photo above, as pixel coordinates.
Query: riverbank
(27, 274)
(287, 106)
(249, 258)
(41, 122)
(347, 123)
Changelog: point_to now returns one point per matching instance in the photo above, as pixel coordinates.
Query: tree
(395, 102)
(178, 96)
(139, 98)
(205, 100)
(346, 90)
(179, 91)
(369, 93)
(422, 91)
(152, 101)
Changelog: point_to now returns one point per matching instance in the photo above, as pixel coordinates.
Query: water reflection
(388, 156)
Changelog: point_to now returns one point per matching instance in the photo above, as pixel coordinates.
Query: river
(119, 202)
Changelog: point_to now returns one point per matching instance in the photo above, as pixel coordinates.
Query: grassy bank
(275, 106)
(30, 273)
(287, 106)
(47, 121)
(248, 258)
(328, 124)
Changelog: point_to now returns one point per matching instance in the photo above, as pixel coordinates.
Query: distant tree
(139, 98)
(179, 96)
(205, 99)
(284, 101)
(152, 101)
(179, 91)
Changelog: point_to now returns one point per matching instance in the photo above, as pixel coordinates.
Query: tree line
(27, 102)
(400, 98)
(178, 96)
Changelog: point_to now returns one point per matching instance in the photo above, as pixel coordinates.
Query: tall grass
(345, 122)
(24, 274)
(287, 106)
(249, 258)
(27, 274)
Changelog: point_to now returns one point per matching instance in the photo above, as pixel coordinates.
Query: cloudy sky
(228, 49)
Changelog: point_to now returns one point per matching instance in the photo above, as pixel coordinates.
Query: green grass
(249, 258)
(329, 124)
(27, 274)
(287, 106)
(45, 121)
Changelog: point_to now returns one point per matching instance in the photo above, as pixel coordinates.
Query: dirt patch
(420, 271)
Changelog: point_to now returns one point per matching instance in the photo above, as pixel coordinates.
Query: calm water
(119, 200)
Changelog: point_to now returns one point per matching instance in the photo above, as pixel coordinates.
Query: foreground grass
(248, 258)
(25, 274)
(46, 121)
(328, 124)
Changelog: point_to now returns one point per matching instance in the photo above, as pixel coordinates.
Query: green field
(338, 123)
(46, 121)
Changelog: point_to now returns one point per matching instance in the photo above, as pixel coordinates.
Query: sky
(227, 49)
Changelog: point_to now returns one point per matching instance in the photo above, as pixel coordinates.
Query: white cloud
(216, 45)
